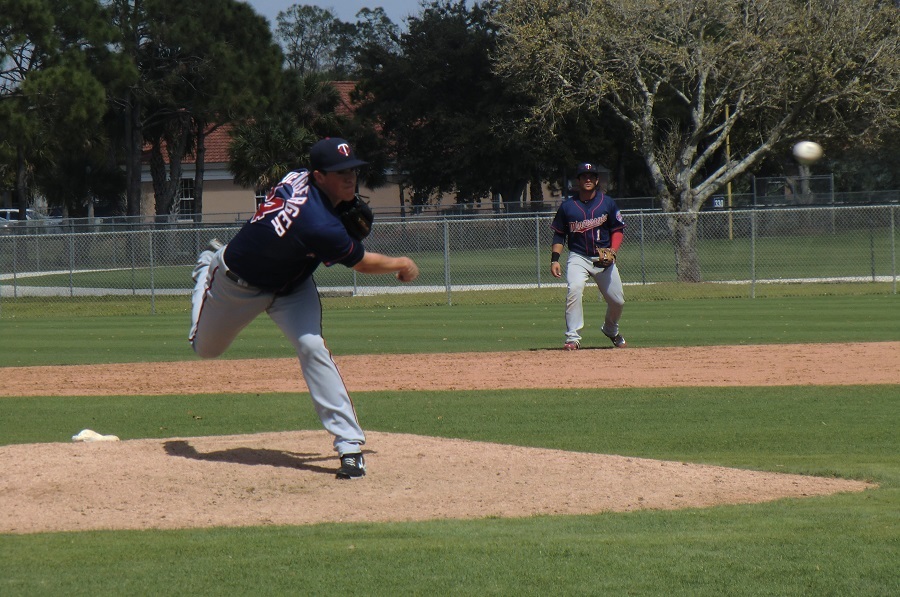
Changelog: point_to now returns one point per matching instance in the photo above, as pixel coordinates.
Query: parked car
(12, 213)
(5, 225)
(33, 218)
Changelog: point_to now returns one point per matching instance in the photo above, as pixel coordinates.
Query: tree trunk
(21, 187)
(806, 195)
(135, 139)
(166, 187)
(199, 170)
(511, 192)
(536, 192)
(684, 237)
(163, 194)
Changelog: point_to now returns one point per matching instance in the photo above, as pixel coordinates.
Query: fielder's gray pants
(579, 269)
(222, 307)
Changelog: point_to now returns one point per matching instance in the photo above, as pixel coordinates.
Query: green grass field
(35, 334)
(839, 545)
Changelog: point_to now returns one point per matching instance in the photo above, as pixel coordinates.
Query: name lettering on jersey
(585, 225)
(283, 211)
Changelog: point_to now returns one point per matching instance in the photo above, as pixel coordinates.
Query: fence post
(132, 241)
(643, 257)
(15, 266)
(447, 260)
(152, 276)
(753, 253)
(872, 249)
(537, 247)
(71, 265)
(893, 251)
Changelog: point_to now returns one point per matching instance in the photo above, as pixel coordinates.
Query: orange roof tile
(217, 143)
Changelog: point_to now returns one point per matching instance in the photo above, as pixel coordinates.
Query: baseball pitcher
(311, 217)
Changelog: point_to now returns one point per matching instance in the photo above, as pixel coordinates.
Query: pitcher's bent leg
(201, 279)
(299, 316)
(220, 307)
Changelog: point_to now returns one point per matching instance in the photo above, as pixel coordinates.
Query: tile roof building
(225, 201)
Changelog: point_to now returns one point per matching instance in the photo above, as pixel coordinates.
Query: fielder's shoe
(572, 345)
(214, 245)
(353, 466)
(618, 341)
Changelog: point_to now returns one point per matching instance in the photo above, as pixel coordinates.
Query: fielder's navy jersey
(586, 226)
(293, 231)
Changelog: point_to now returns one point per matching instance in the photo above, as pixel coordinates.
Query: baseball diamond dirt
(288, 478)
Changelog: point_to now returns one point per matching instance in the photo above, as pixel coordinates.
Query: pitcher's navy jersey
(586, 226)
(293, 231)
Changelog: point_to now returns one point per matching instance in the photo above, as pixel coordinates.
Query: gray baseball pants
(222, 307)
(579, 269)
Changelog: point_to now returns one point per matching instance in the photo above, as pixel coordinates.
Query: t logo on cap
(586, 168)
(332, 154)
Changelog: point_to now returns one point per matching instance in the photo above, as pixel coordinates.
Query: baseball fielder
(591, 225)
(311, 217)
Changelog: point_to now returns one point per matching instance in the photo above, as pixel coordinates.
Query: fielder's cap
(587, 168)
(332, 154)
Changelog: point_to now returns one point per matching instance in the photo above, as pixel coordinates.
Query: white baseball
(807, 152)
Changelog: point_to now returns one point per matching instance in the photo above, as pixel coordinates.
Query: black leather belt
(236, 279)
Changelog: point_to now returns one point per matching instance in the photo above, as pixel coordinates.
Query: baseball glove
(357, 217)
(605, 257)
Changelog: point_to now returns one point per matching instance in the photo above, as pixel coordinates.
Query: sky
(345, 10)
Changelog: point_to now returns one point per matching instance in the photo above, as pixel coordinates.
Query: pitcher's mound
(289, 478)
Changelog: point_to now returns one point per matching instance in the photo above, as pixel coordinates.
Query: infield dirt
(288, 478)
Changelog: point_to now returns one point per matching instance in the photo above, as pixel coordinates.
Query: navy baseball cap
(332, 154)
(586, 168)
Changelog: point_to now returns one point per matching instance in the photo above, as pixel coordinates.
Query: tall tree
(238, 80)
(307, 36)
(131, 23)
(444, 113)
(373, 30)
(198, 63)
(83, 176)
(207, 64)
(315, 40)
(49, 96)
(685, 75)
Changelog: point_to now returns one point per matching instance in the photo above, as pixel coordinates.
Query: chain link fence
(739, 250)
